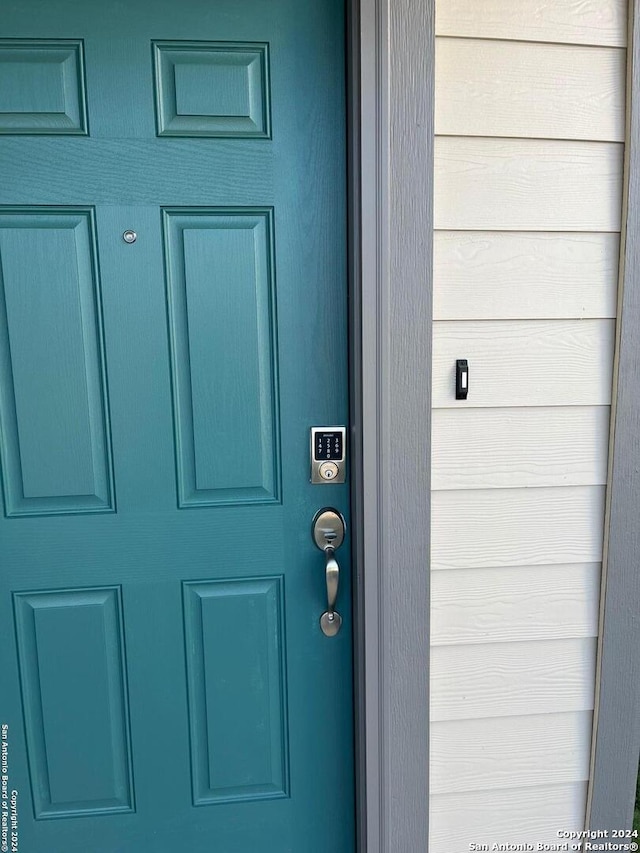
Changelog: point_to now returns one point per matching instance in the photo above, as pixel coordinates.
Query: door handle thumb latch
(328, 534)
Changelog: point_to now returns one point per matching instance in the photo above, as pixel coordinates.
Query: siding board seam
(470, 407)
(508, 717)
(522, 319)
(536, 232)
(528, 487)
(597, 45)
(532, 42)
(493, 641)
(559, 139)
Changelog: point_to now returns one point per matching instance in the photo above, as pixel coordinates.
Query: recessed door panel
(238, 735)
(221, 296)
(212, 89)
(42, 86)
(53, 405)
(73, 681)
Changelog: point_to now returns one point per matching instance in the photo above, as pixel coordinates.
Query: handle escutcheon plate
(330, 626)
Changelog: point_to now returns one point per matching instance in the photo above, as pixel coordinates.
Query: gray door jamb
(391, 68)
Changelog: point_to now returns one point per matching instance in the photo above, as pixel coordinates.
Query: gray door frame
(616, 738)
(391, 158)
(391, 69)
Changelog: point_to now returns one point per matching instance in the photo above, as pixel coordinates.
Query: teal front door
(172, 324)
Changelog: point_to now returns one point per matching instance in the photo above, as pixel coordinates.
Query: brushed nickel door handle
(328, 531)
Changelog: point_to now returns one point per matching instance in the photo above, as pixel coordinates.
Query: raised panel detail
(212, 89)
(237, 694)
(53, 407)
(42, 87)
(71, 653)
(222, 326)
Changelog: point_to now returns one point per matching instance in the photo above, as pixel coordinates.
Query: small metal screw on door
(328, 531)
(129, 236)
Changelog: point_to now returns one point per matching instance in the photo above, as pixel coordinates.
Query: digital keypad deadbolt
(328, 454)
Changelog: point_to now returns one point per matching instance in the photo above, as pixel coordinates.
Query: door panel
(238, 403)
(74, 694)
(217, 89)
(247, 613)
(52, 395)
(42, 86)
(169, 685)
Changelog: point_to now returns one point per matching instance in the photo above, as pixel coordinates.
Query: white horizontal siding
(528, 197)
(509, 752)
(517, 527)
(516, 816)
(511, 447)
(502, 88)
(524, 362)
(527, 184)
(508, 679)
(597, 22)
(486, 275)
(507, 605)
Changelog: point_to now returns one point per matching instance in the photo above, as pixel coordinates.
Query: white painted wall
(530, 98)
